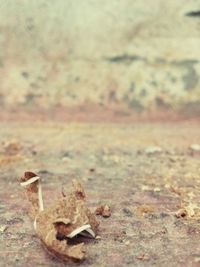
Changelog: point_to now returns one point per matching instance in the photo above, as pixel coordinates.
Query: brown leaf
(65, 218)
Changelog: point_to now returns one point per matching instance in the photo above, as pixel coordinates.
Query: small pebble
(127, 242)
(156, 189)
(195, 147)
(3, 228)
(153, 150)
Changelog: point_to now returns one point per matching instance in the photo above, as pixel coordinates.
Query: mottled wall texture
(137, 53)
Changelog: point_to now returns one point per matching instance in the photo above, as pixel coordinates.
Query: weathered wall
(144, 54)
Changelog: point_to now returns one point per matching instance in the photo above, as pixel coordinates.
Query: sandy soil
(113, 161)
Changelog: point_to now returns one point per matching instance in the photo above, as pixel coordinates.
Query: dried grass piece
(103, 210)
(65, 218)
(175, 190)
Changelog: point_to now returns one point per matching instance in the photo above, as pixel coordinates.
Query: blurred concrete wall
(138, 53)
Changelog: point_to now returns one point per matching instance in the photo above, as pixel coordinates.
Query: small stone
(127, 242)
(195, 147)
(103, 210)
(168, 186)
(65, 159)
(156, 189)
(3, 228)
(145, 188)
(153, 150)
(174, 158)
(116, 159)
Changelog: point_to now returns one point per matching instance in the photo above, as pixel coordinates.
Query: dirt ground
(144, 188)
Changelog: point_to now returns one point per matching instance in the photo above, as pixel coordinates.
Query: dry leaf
(65, 218)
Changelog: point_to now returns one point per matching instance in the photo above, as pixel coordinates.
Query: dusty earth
(144, 189)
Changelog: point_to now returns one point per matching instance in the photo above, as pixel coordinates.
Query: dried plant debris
(188, 210)
(103, 210)
(63, 220)
(181, 213)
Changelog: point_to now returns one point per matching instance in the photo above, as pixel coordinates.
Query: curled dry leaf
(103, 210)
(64, 219)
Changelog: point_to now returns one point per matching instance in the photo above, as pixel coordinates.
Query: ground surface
(143, 190)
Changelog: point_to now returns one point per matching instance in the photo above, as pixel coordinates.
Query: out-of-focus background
(130, 56)
(107, 92)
